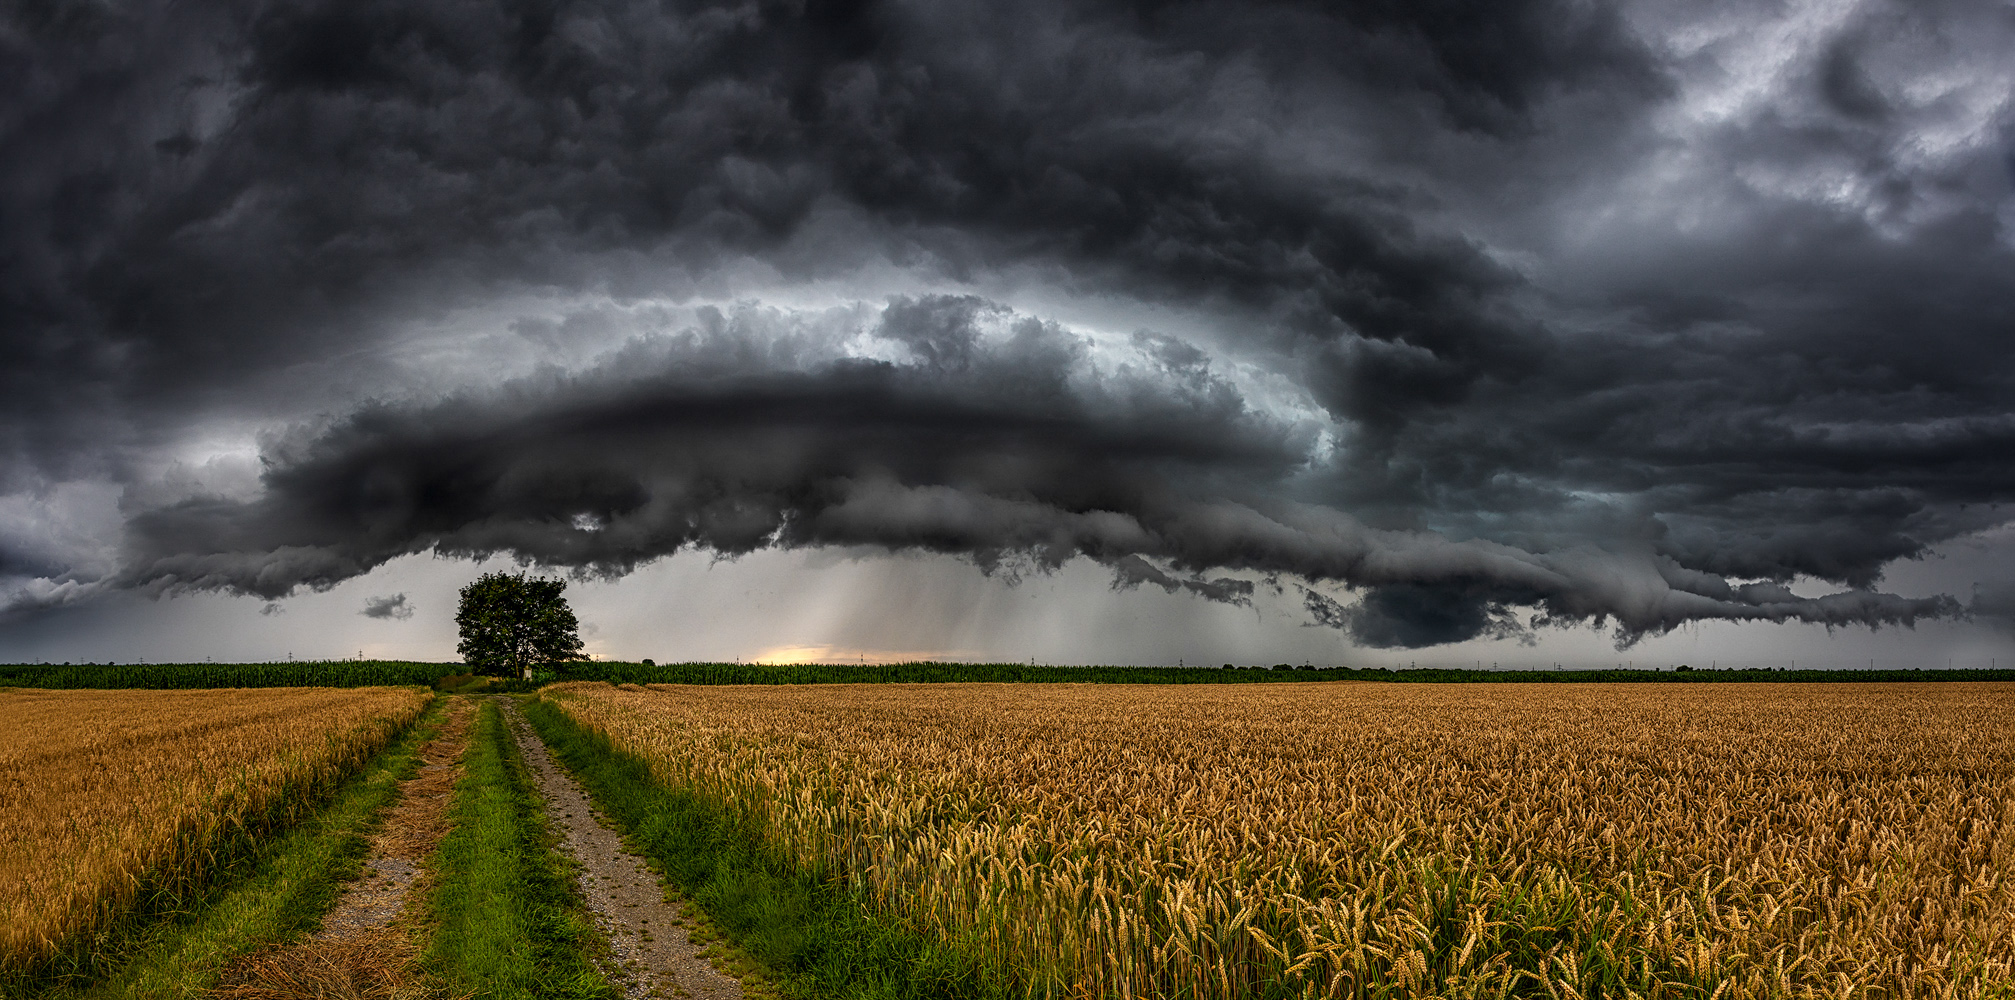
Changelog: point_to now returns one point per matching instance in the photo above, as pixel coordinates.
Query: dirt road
(649, 934)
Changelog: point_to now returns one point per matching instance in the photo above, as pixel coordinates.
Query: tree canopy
(511, 623)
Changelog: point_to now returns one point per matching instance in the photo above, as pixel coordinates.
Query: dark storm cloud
(389, 606)
(236, 211)
(995, 436)
(998, 437)
(184, 183)
(1411, 615)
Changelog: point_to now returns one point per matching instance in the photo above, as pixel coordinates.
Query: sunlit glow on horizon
(791, 655)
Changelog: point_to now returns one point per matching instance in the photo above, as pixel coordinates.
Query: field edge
(809, 935)
(274, 885)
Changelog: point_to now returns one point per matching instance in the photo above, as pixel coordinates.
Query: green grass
(508, 922)
(274, 891)
(810, 935)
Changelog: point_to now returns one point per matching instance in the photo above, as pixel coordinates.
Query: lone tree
(510, 624)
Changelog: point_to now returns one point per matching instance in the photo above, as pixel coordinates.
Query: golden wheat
(1390, 840)
(108, 794)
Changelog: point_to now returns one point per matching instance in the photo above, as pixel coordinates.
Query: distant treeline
(358, 673)
(298, 673)
(930, 673)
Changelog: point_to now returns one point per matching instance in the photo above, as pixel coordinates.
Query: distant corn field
(108, 795)
(1367, 840)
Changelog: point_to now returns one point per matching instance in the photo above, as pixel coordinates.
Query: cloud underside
(389, 606)
(1499, 315)
(1012, 448)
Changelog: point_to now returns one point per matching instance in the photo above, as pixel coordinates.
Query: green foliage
(1022, 673)
(511, 623)
(509, 924)
(806, 928)
(163, 676)
(362, 673)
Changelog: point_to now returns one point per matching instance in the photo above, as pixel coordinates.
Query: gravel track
(358, 952)
(411, 830)
(652, 950)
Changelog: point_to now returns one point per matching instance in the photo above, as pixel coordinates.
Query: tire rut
(652, 950)
(357, 952)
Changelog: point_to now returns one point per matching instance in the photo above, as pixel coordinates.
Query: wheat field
(1373, 840)
(105, 795)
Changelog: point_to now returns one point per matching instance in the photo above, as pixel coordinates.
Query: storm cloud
(1466, 320)
(388, 606)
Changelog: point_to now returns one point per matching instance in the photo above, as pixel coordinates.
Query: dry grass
(407, 835)
(375, 966)
(1392, 840)
(414, 827)
(112, 795)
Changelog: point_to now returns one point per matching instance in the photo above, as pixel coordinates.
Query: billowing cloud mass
(1450, 320)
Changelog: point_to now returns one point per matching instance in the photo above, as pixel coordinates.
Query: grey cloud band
(1500, 313)
(1014, 447)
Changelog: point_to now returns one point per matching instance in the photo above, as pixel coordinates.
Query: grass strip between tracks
(811, 935)
(508, 922)
(275, 892)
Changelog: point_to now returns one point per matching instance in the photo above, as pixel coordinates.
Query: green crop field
(303, 673)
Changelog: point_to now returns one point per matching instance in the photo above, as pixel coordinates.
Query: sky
(1374, 333)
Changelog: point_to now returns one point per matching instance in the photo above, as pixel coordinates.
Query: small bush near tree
(511, 623)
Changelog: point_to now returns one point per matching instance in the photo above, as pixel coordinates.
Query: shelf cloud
(1446, 320)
